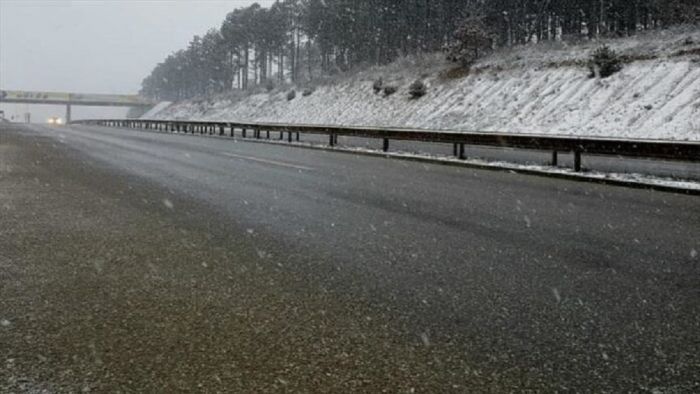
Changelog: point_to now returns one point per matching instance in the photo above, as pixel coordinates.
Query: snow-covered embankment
(657, 98)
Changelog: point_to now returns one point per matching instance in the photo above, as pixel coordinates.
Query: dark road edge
(453, 163)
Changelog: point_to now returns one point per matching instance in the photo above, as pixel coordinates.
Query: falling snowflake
(556, 294)
(425, 339)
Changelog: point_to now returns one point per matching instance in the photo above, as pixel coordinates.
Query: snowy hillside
(536, 89)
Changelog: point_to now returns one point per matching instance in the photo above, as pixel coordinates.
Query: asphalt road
(140, 261)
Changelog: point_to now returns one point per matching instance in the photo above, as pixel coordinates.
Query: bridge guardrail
(688, 151)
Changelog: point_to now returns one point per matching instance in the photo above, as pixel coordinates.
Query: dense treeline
(297, 40)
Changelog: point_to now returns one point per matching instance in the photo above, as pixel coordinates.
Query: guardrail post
(244, 132)
(221, 129)
(577, 160)
(297, 136)
(268, 134)
(281, 135)
(385, 146)
(331, 141)
(454, 150)
(231, 127)
(462, 156)
(555, 158)
(289, 137)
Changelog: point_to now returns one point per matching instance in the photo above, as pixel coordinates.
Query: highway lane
(541, 283)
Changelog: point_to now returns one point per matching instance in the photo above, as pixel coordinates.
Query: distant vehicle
(54, 120)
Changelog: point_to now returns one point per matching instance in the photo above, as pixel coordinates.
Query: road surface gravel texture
(143, 262)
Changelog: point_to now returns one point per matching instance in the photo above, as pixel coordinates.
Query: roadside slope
(537, 89)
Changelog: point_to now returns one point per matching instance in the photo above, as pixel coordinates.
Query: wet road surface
(151, 262)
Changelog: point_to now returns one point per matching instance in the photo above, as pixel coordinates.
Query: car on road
(55, 120)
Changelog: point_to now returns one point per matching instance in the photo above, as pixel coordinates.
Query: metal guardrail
(641, 149)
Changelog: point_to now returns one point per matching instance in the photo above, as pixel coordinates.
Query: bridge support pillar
(68, 114)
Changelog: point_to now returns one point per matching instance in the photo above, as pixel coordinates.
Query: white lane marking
(273, 162)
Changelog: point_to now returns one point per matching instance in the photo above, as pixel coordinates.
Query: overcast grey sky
(97, 46)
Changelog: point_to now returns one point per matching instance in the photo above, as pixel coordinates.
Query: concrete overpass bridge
(70, 99)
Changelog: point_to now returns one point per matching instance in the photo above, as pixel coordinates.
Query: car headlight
(51, 121)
